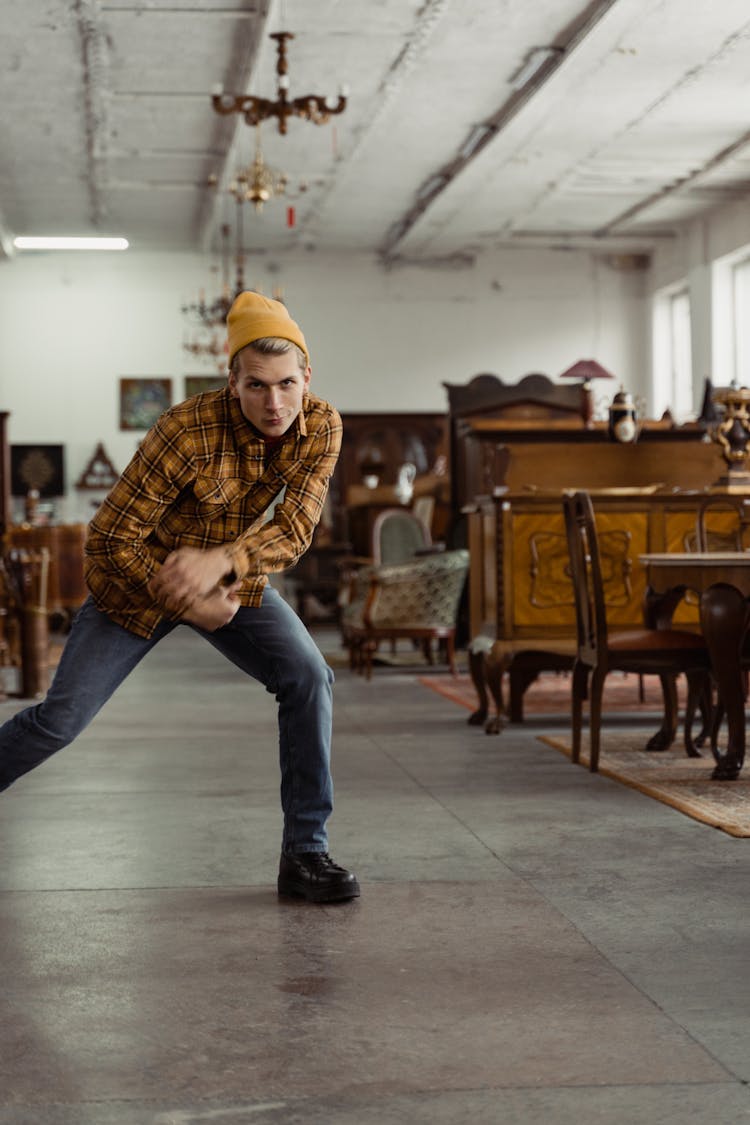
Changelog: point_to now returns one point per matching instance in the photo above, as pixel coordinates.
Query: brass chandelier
(256, 183)
(316, 108)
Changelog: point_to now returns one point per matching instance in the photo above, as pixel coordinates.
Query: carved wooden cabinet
(519, 586)
(376, 445)
(66, 587)
(521, 607)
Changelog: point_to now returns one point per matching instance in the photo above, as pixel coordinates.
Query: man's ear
(232, 382)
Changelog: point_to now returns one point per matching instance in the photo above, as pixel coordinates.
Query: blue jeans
(270, 643)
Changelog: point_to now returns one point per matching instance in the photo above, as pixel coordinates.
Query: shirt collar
(244, 434)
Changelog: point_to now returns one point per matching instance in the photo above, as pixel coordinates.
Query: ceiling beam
(681, 184)
(485, 131)
(237, 75)
(95, 73)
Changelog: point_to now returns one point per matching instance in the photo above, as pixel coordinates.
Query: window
(741, 318)
(673, 363)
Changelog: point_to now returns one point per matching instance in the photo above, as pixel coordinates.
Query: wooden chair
(417, 601)
(663, 652)
(727, 537)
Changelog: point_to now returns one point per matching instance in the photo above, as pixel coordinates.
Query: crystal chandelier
(209, 314)
(209, 317)
(316, 108)
(256, 183)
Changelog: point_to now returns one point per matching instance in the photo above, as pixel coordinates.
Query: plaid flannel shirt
(202, 477)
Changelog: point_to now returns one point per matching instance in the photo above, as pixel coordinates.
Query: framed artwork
(142, 401)
(196, 384)
(37, 466)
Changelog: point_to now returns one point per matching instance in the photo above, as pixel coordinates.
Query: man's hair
(271, 345)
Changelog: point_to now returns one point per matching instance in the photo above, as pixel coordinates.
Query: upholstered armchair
(398, 536)
(416, 600)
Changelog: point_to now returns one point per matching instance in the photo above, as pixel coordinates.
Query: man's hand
(216, 609)
(189, 574)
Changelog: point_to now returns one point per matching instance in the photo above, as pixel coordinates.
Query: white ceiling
(638, 120)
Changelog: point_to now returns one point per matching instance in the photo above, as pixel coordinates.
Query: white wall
(701, 255)
(72, 325)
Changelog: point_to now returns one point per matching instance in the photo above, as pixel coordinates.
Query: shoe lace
(323, 862)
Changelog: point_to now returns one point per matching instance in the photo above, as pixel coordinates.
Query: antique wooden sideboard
(514, 449)
(521, 609)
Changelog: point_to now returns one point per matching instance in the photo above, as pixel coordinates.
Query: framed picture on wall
(142, 400)
(196, 384)
(37, 466)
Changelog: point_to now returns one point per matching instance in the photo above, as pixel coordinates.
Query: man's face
(270, 389)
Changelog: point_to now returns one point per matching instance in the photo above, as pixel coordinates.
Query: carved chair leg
(450, 655)
(494, 670)
(595, 717)
(706, 708)
(579, 692)
(666, 733)
(696, 681)
(476, 671)
(519, 681)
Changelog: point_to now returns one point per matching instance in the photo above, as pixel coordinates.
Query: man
(182, 538)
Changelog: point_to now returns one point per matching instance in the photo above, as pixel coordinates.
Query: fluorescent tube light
(28, 242)
(536, 59)
(475, 138)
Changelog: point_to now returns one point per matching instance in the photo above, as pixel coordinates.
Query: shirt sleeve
(281, 542)
(119, 539)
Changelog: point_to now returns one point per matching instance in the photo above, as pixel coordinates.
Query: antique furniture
(373, 449)
(511, 443)
(316, 580)
(709, 536)
(23, 590)
(486, 411)
(4, 474)
(722, 581)
(66, 588)
(416, 601)
(521, 611)
(398, 536)
(663, 652)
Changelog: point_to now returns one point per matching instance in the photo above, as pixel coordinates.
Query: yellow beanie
(253, 316)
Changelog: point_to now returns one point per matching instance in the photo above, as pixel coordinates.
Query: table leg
(724, 619)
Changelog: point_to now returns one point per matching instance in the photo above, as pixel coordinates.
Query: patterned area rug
(550, 693)
(672, 778)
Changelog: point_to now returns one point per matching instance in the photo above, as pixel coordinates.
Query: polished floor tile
(532, 944)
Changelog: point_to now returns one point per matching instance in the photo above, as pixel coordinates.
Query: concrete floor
(532, 944)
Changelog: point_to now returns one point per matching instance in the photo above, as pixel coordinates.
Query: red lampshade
(587, 369)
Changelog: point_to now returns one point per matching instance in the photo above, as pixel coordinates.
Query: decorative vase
(732, 433)
(623, 422)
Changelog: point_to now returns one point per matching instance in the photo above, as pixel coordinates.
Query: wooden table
(721, 579)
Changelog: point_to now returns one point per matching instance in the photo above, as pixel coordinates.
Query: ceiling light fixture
(43, 242)
(535, 60)
(257, 183)
(311, 107)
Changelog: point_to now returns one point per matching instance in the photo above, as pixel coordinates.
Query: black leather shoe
(314, 876)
